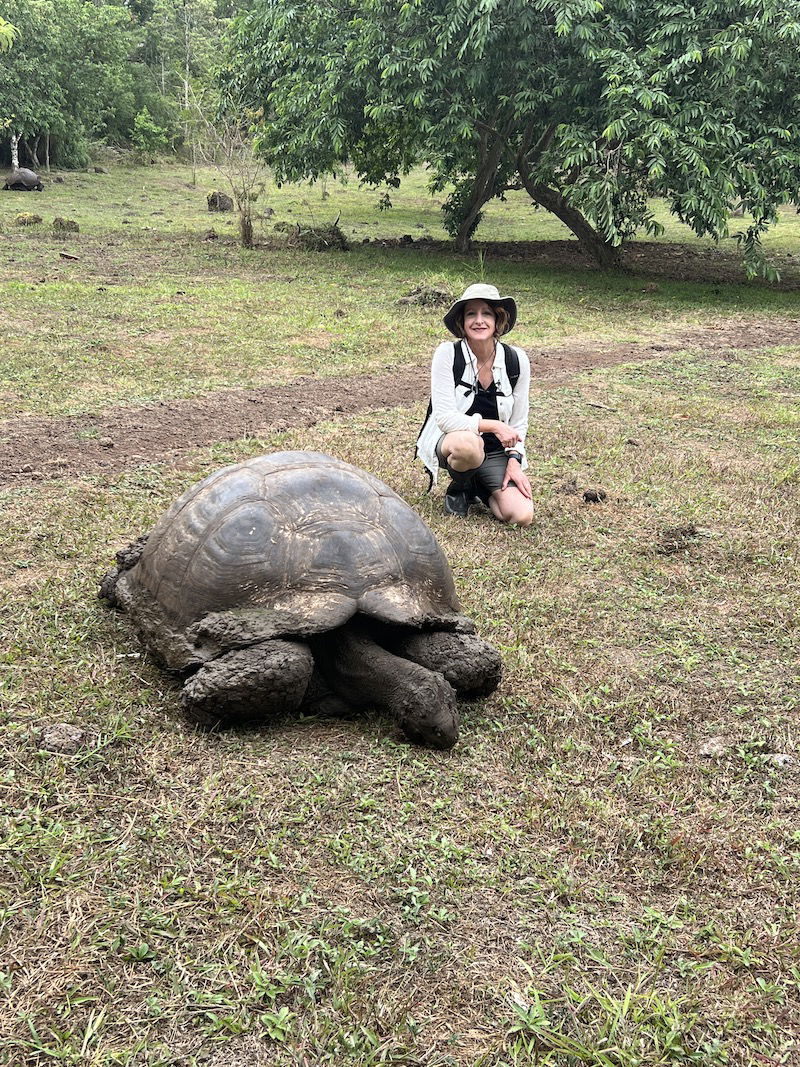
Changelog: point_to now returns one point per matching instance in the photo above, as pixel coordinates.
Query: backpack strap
(460, 363)
(459, 366)
(512, 364)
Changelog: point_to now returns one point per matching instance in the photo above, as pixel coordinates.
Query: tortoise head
(429, 716)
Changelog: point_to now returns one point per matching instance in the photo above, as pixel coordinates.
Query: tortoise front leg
(259, 682)
(364, 674)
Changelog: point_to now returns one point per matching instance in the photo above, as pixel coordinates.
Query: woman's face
(479, 321)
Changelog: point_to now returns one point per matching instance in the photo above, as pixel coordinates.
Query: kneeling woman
(479, 409)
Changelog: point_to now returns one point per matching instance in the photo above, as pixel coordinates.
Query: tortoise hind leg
(249, 684)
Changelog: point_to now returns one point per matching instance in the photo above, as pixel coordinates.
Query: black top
(485, 405)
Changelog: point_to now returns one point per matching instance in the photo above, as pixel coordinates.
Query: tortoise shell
(288, 544)
(22, 178)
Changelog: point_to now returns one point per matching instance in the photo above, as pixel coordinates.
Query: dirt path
(35, 447)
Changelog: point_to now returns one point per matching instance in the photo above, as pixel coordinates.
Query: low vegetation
(605, 869)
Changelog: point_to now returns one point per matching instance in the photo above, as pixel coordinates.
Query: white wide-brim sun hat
(480, 291)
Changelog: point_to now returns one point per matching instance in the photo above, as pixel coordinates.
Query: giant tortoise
(295, 580)
(23, 180)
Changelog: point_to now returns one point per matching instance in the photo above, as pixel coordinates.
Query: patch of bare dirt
(36, 447)
(655, 259)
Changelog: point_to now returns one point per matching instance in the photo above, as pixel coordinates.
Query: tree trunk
(483, 189)
(602, 251)
(15, 151)
(187, 52)
(477, 200)
(32, 151)
(47, 152)
(245, 228)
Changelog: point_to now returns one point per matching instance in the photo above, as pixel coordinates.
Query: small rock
(218, 201)
(58, 180)
(106, 442)
(780, 759)
(633, 442)
(713, 748)
(99, 170)
(62, 737)
(26, 468)
(65, 225)
(594, 496)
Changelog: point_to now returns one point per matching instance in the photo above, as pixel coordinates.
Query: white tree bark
(15, 151)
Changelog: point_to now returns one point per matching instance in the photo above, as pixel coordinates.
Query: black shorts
(488, 477)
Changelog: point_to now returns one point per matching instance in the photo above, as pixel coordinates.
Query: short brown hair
(501, 320)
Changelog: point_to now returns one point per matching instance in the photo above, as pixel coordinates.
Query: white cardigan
(451, 402)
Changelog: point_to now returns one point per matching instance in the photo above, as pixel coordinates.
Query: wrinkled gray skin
(23, 180)
(471, 665)
(364, 674)
(298, 582)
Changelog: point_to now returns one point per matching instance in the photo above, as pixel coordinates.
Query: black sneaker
(457, 500)
(458, 504)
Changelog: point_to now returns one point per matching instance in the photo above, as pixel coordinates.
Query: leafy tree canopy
(593, 107)
(87, 69)
(67, 73)
(7, 35)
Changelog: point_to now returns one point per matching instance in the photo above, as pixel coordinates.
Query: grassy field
(605, 870)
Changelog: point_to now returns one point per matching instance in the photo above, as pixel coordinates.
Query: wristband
(514, 455)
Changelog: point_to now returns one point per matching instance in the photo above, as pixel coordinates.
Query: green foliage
(66, 73)
(148, 137)
(592, 108)
(83, 71)
(7, 35)
(179, 43)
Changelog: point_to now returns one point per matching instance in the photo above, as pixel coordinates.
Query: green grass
(575, 883)
(153, 311)
(163, 199)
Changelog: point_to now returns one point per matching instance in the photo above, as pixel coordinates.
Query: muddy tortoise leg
(249, 684)
(471, 665)
(126, 560)
(320, 701)
(364, 674)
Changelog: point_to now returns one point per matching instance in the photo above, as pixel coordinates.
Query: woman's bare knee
(509, 505)
(463, 450)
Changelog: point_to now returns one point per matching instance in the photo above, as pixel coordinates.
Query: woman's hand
(505, 434)
(515, 474)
